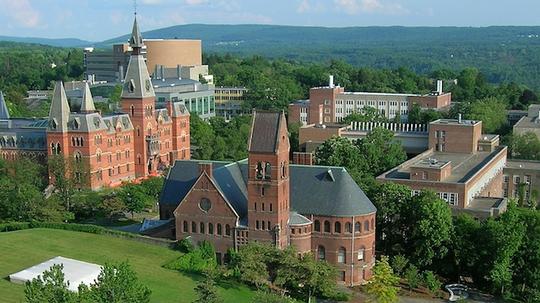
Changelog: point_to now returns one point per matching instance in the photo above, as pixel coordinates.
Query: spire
(87, 103)
(137, 83)
(4, 113)
(136, 40)
(59, 112)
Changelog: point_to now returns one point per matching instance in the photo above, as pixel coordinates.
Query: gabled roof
(312, 191)
(4, 113)
(264, 137)
(87, 102)
(59, 111)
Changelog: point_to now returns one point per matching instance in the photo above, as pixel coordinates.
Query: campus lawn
(25, 248)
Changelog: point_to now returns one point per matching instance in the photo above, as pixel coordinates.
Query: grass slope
(22, 249)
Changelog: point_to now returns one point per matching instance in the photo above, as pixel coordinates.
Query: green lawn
(22, 249)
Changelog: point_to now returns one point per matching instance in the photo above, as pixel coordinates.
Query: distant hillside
(502, 53)
(64, 42)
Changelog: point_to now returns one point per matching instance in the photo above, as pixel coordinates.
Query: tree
(432, 282)
(525, 146)
(491, 111)
(430, 228)
(380, 151)
(65, 186)
(117, 283)
(382, 287)
(268, 297)
(366, 114)
(399, 263)
(134, 198)
(339, 151)
(206, 289)
(51, 287)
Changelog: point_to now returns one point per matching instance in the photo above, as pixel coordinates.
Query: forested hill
(502, 53)
(61, 42)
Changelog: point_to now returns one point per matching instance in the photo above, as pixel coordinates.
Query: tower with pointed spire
(57, 129)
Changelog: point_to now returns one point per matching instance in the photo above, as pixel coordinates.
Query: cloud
(353, 7)
(22, 12)
(303, 7)
(196, 2)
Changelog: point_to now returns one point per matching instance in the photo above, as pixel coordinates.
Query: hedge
(86, 228)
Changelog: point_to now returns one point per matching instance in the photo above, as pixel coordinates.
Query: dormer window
(131, 86)
(53, 124)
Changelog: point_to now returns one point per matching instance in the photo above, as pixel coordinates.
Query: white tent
(75, 272)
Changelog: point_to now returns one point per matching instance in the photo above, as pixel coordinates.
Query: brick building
(264, 198)
(461, 164)
(105, 150)
(331, 104)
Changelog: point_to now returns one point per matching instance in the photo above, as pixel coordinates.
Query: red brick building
(331, 104)
(107, 150)
(264, 198)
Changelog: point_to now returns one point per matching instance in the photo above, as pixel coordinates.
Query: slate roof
(264, 135)
(59, 112)
(315, 190)
(297, 219)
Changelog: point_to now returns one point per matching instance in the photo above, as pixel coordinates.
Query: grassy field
(21, 249)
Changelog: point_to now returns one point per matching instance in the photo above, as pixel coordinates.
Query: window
(257, 225)
(517, 179)
(321, 253)
(366, 226)
(337, 227)
(267, 171)
(193, 227)
(527, 179)
(219, 231)
(201, 229)
(211, 228)
(348, 227)
(259, 171)
(342, 275)
(263, 225)
(227, 230)
(357, 227)
(506, 178)
(186, 227)
(317, 225)
(341, 255)
(361, 254)
(326, 226)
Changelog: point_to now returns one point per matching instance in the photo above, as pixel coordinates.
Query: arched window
(321, 252)
(201, 229)
(263, 225)
(138, 132)
(58, 148)
(132, 108)
(348, 227)
(267, 171)
(227, 230)
(269, 226)
(337, 227)
(78, 157)
(257, 225)
(98, 155)
(82, 141)
(357, 227)
(73, 143)
(366, 226)
(193, 227)
(361, 254)
(259, 171)
(317, 225)
(341, 255)
(211, 228)
(219, 231)
(326, 226)
(186, 227)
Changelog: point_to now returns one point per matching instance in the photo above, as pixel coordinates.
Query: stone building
(105, 150)
(264, 198)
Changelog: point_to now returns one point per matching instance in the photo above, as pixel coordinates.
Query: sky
(98, 20)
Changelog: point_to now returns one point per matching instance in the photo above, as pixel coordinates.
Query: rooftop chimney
(205, 167)
(439, 87)
(331, 81)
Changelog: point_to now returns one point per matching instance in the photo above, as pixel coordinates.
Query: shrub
(268, 297)
(399, 263)
(431, 281)
(184, 245)
(412, 276)
(198, 261)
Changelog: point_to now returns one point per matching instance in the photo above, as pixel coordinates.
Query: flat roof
(456, 122)
(380, 94)
(464, 166)
(486, 204)
(430, 163)
(528, 122)
(523, 164)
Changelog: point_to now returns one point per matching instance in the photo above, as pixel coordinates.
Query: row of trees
(22, 198)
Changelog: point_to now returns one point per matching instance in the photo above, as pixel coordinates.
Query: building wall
(171, 53)
(360, 242)
(300, 237)
(527, 175)
(454, 138)
(317, 134)
(326, 97)
(220, 213)
(431, 101)
(388, 105)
